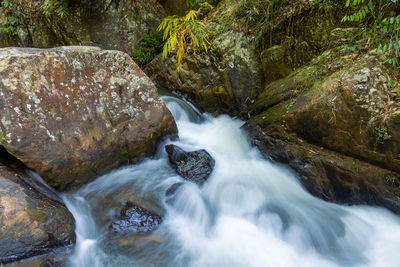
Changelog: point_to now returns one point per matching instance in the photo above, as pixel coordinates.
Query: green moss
(3, 139)
(153, 134)
(36, 215)
(150, 46)
(392, 180)
(216, 98)
(53, 110)
(3, 135)
(108, 114)
(59, 215)
(272, 115)
(124, 153)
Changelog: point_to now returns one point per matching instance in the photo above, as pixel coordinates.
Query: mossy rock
(342, 91)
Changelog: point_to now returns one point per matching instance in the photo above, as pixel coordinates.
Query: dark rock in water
(195, 166)
(172, 189)
(136, 220)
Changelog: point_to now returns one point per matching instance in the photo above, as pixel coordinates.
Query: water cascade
(250, 212)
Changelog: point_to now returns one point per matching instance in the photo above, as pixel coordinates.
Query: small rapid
(250, 212)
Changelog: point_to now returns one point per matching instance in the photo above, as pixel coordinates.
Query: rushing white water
(250, 212)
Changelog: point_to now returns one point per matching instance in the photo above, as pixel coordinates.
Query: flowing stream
(250, 212)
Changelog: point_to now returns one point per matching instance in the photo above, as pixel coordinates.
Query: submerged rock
(30, 223)
(195, 166)
(172, 189)
(135, 220)
(72, 113)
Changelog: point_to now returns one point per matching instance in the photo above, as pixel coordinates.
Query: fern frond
(179, 32)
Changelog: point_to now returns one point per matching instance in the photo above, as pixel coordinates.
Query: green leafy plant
(15, 14)
(181, 32)
(55, 7)
(150, 45)
(383, 134)
(389, 39)
(392, 84)
(10, 17)
(364, 8)
(349, 48)
(256, 12)
(380, 21)
(392, 180)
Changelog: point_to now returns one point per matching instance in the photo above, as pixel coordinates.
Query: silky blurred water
(250, 212)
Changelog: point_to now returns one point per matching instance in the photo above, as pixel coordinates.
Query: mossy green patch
(124, 153)
(53, 110)
(108, 115)
(59, 215)
(3, 135)
(3, 139)
(36, 215)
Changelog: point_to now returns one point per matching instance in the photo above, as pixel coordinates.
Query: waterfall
(250, 212)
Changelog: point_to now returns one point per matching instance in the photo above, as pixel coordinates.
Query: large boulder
(30, 223)
(116, 25)
(195, 166)
(72, 113)
(336, 122)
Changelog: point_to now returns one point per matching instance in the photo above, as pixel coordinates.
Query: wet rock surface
(57, 259)
(30, 223)
(195, 166)
(332, 176)
(335, 122)
(134, 219)
(73, 113)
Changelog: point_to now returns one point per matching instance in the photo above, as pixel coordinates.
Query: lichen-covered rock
(116, 25)
(341, 102)
(72, 113)
(195, 166)
(30, 223)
